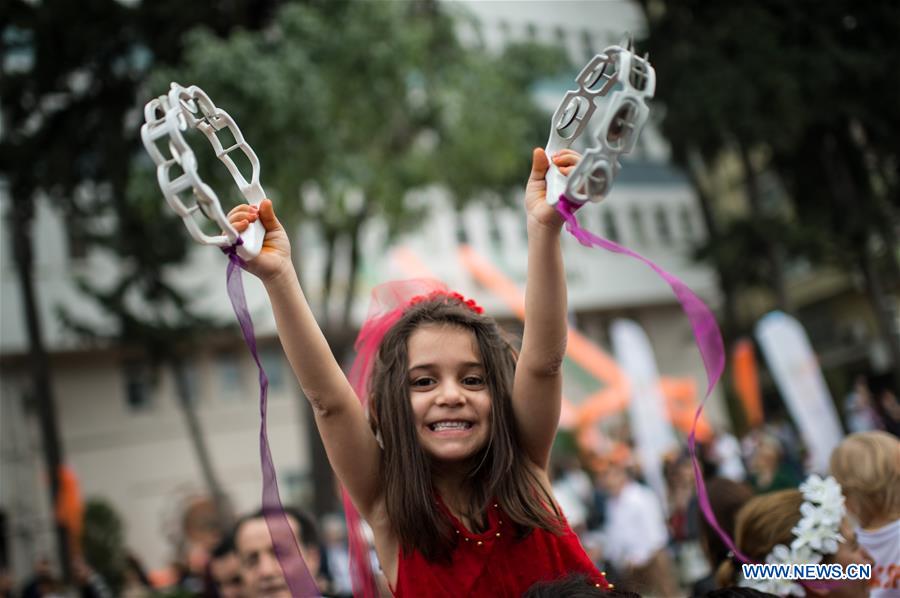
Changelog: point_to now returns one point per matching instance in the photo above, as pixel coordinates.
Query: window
(76, 238)
(230, 377)
(560, 35)
(139, 386)
(494, 231)
(462, 236)
(662, 226)
(588, 43)
(272, 360)
(637, 224)
(687, 222)
(609, 225)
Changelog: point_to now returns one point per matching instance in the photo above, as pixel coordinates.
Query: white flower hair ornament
(816, 534)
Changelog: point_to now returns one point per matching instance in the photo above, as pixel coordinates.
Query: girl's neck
(451, 483)
(456, 494)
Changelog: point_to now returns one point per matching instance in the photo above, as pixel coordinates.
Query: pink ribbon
(706, 334)
(284, 541)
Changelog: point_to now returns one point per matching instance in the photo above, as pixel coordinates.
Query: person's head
(736, 592)
(224, 571)
(766, 455)
(726, 497)
(867, 466)
(881, 386)
(678, 472)
(612, 468)
(440, 400)
(334, 530)
(455, 366)
(573, 586)
(260, 569)
(768, 520)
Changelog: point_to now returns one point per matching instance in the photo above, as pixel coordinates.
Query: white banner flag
(790, 358)
(651, 428)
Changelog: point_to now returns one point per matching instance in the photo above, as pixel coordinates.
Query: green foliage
(371, 96)
(489, 122)
(80, 77)
(104, 542)
(803, 87)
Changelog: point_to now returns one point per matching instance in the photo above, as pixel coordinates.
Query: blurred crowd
(646, 544)
(241, 563)
(663, 546)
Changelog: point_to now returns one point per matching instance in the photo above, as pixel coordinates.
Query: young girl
(450, 469)
(867, 465)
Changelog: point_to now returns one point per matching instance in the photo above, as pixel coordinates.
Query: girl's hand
(275, 255)
(538, 210)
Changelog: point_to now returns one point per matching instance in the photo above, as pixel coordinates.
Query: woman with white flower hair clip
(804, 526)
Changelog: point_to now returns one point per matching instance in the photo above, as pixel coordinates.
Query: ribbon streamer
(706, 333)
(284, 540)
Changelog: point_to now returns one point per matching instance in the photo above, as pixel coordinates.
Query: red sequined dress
(494, 563)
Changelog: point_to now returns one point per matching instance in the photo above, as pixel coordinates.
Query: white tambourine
(166, 118)
(613, 89)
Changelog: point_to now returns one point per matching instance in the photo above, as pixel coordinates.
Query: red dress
(494, 563)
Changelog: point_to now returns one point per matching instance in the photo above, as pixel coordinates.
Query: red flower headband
(468, 303)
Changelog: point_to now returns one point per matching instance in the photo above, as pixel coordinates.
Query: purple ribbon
(706, 333)
(284, 540)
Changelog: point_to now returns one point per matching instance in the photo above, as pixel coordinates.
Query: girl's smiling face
(448, 391)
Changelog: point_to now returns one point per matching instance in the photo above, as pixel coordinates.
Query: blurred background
(395, 141)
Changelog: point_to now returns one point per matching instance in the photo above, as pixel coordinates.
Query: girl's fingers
(569, 158)
(539, 165)
(243, 212)
(266, 214)
(239, 211)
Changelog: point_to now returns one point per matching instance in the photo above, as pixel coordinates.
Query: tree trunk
(884, 313)
(20, 222)
(695, 168)
(325, 499)
(328, 277)
(850, 195)
(352, 283)
(198, 441)
(854, 153)
(774, 250)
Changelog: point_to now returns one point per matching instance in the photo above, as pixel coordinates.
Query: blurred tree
(104, 542)
(800, 96)
(349, 106)
(71, 74)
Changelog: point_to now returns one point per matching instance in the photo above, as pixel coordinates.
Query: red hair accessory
(468, 303)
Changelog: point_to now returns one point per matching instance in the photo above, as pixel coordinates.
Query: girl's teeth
(450, 426)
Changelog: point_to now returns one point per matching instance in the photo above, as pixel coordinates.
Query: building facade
(122, 429)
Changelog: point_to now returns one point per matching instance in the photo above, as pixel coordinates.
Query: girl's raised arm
(349, 442)
(537, 391)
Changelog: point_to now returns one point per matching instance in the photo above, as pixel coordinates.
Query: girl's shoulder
(387, 543)
(541, 474)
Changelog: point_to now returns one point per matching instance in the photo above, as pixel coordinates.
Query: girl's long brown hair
(499, 472)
